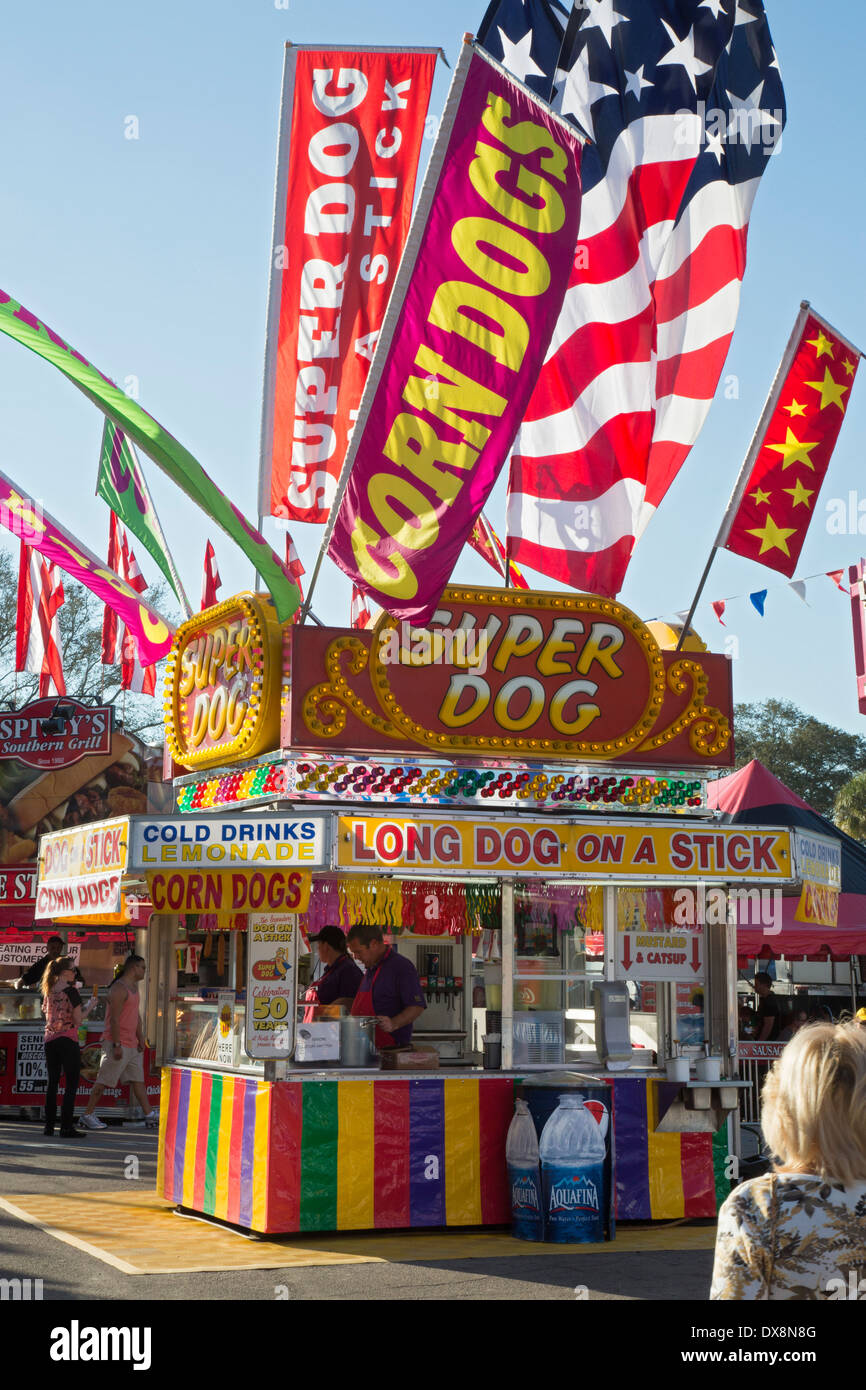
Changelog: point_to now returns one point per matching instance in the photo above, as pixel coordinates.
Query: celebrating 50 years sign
(272, 948)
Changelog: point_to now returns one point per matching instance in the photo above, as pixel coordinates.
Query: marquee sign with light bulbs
(223, 684)
(510, 674)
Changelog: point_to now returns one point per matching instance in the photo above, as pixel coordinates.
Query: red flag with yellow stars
(804, 415)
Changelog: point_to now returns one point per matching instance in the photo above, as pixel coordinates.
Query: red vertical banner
(350, 140)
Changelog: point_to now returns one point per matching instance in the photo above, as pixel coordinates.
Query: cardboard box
(414, 1058)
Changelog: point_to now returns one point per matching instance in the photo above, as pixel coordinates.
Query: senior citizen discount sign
(477, 296)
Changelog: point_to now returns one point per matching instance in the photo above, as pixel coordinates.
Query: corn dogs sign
(473, 309)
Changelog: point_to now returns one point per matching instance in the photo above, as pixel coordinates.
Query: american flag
(683, 103)
(360, 615)
(140, 680)
(37, 634)
(296, 569)
(211, 581)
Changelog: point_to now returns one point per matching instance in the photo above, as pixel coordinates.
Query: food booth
(63, 766)
(517, 795)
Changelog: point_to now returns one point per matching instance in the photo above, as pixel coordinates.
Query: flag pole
(749, 461)
(398, 294)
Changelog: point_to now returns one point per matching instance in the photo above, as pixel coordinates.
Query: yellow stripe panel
(221, 1192)
(665, 1171)
(355, 1156)
(462, 1154)
(164, 1085)
(191, 1139)
(260, 1156)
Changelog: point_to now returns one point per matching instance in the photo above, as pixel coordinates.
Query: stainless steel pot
(357, 1042)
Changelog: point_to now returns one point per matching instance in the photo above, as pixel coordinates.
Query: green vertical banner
(120, 482)
(180, 465)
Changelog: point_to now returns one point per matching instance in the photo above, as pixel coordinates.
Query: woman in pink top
(61, 1005)
(122, 1044)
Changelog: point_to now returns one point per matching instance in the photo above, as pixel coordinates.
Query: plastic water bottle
(524, 1177)
(572, 1152)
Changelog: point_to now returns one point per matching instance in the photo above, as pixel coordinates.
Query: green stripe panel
(213, 1139)
(721, 1153)
(319, 1140)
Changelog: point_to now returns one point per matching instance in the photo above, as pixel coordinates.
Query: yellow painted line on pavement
(138, 1232)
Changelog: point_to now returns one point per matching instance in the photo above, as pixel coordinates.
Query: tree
(80, 621)
(849, 810)
(815, 760)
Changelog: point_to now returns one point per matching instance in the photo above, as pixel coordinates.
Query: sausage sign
(474, 306)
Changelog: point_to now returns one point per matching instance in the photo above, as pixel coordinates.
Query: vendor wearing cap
(341, 979)
(390, 990)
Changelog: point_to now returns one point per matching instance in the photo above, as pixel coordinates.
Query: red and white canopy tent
(755, 795)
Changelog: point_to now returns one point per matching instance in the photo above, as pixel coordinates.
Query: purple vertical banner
(427, 1152)
(470, 319)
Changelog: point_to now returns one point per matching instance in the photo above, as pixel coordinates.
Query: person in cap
(860, 1017)
(769, 1010)
(390, 990)
(53, 951)
(339, 984)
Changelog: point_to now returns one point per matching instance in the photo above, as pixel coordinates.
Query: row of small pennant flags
(759, 597)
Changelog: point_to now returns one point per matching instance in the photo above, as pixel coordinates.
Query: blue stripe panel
(182, 1122)
(427, 1152)
(632, 1160)
(247, 1150)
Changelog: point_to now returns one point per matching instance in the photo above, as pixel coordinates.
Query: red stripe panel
(699, 1183)
(201, 1142)
(495, 1111)
(591, 349)
(602, 572)
(666, 460)
(233, 1213)
(694, 374)
(720, 258)
(286, 1137)
(171, 1136)
(654, 191)
(617, 450)
(391, 1150)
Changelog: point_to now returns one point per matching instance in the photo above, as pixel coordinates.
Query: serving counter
(326, 1151)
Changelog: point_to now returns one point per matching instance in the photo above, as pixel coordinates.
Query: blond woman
(799, 1232)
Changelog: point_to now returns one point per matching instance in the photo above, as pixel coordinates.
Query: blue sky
(151, 257)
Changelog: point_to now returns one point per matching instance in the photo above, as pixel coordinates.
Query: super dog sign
(222, 699)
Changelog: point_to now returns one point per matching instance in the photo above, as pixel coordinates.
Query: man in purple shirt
(339, 984)
(390, 989)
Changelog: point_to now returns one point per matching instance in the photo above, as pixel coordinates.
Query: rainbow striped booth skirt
(383, 1152)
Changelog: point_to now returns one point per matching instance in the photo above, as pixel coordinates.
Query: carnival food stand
(525, 815)
(63, 766)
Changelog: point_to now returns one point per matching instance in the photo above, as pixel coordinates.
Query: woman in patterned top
(799, 1232)
(61, 1005)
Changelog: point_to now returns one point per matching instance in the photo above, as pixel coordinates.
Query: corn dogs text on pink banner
(470, 320)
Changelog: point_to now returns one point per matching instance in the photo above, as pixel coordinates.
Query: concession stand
(517, 795)
(63, 766)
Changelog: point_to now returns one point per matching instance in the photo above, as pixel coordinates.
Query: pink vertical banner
(473, 310)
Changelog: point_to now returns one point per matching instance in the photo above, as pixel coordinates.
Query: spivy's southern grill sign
(52, 732)
(502, 673)
(498, 674)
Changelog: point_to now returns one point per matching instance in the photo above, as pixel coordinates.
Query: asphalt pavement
(119, 1157)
